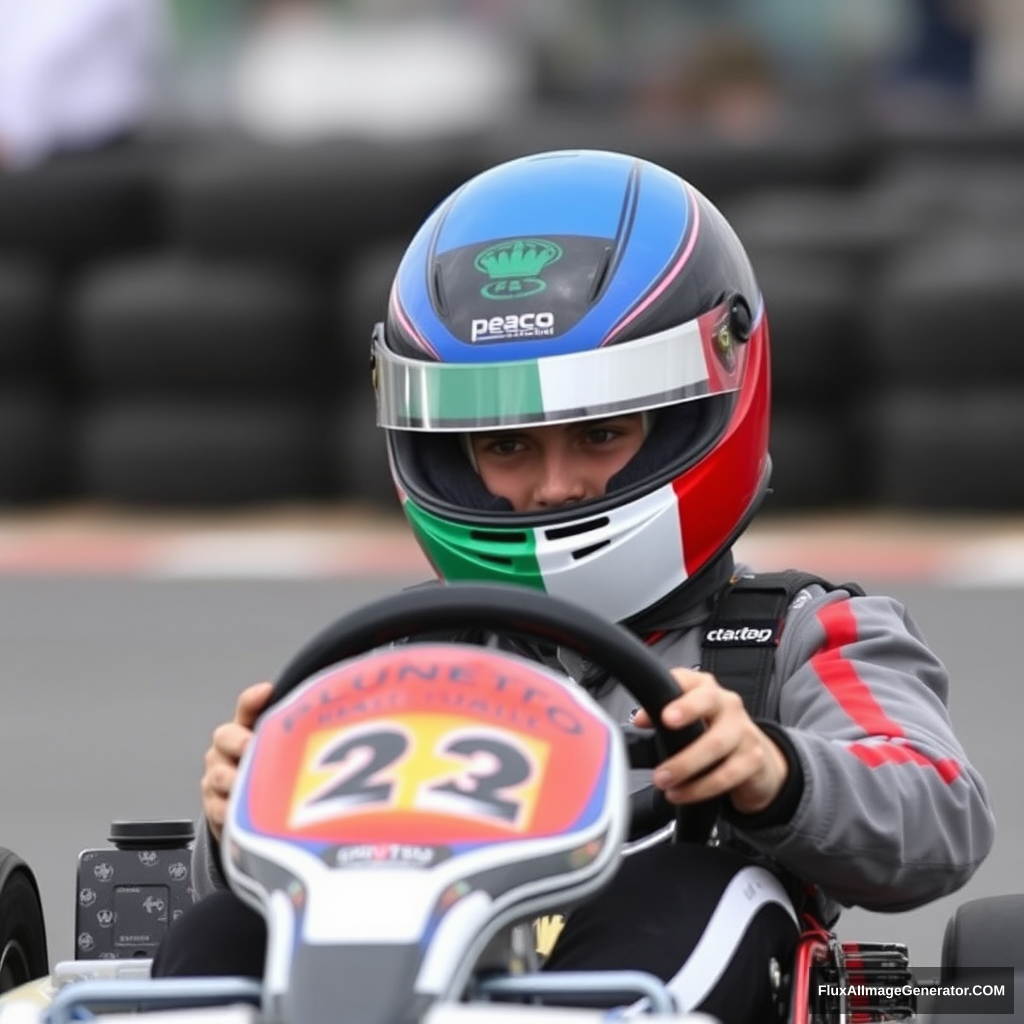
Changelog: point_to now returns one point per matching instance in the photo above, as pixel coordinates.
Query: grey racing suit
(882, 808)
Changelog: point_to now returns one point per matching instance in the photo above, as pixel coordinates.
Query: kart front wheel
(984, 933)
(23, 955)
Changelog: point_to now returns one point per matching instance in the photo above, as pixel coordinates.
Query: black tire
(806, 148)
(984, 933)
(816, 462)
(361, 300)
(35, 445)
(921, 197)
(814, 314)
(77, 208)
(940, 131)
(23, 951)
(171, 325)
(843, 227)
(358, 454)
(945, 310)
(317, 204)
(947, 451)
(27, 302)
(213, 454)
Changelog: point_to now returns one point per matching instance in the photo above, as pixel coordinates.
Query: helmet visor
(692, 360)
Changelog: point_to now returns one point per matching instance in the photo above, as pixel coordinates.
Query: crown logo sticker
(514, 267)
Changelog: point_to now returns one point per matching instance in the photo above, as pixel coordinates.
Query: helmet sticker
(525, 288)
(514, 267)
(511, 326)
(723, 343)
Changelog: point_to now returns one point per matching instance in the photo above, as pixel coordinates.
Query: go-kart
(409, 808)
(23, 953)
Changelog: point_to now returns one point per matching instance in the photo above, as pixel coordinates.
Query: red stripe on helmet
(718, 493)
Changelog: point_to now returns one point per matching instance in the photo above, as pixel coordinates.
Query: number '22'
(364, 777)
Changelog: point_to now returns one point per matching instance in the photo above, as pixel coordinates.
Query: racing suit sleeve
(207, 874)
(891, 814)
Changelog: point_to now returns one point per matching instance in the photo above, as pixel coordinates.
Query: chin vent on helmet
(573, 529)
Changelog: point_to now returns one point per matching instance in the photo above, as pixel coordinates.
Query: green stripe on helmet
(481, 554)
(468, 395)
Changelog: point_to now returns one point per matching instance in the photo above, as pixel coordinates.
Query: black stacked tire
(314, 205)
(945, 429)
(818, 377)
(34, 427)
(358, 454)
(204, 383)
(76, 209)
(207, 454)
(803, 148)
(174, 325)
(950, 451)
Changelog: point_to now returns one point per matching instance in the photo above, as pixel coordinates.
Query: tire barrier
(816, 462)
(187, 322)
(958, 451)
(28, 301)
(358, 455)
(945, 312)
(81, 208)
(188, 453)
(170, 325)
(314, 205)
(814, 311)
(35, 438)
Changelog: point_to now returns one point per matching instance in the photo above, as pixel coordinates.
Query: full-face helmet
(561, 287)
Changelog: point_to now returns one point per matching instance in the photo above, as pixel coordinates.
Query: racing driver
(573, 377)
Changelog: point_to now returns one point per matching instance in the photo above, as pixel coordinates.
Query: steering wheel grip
(510, 610)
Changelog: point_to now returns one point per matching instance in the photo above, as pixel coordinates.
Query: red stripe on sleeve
(853, 695)
(897, 753)
(840, 676)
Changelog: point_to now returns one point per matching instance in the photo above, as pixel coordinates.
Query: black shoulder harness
(744, 630)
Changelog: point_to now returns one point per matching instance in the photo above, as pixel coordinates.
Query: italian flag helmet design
(564, 287)
(638, 545)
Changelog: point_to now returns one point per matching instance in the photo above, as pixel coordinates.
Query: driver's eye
(504, 446)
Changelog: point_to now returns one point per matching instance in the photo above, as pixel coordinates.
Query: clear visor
(694, 360)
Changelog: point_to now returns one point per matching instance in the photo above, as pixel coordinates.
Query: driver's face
(538, 468)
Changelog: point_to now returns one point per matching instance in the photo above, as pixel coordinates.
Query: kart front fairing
(399, 810)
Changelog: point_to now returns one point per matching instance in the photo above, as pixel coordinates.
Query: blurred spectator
(1001, 63)
(74, 74)
(728, 80)
(305, 70)
(943, 56)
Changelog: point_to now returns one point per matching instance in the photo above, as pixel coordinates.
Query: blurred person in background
(1001, 58)
(75, 75)
(304, 70)
(728, 82)
(941, 59)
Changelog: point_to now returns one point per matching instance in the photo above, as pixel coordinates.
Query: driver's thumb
(641, 719)
(251, 701)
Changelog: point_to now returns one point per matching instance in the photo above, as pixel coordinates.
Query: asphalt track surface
(114, 676)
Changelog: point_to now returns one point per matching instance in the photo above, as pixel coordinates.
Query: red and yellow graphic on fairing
(430, 745)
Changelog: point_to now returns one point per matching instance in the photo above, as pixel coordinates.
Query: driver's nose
(559, 482)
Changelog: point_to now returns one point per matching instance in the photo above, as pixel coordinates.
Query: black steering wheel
(533, 615)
